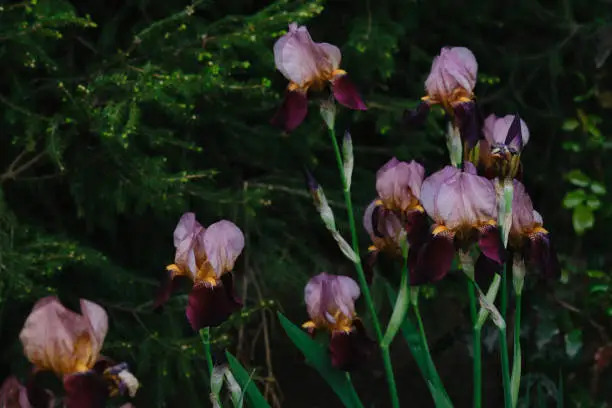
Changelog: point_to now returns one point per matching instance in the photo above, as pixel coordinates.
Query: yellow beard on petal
(343, 323)
(206, 275)
(318, 83)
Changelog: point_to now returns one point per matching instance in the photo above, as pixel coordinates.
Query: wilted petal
(346, 93)
(454, 198)
(292, 112)
(330, 300)
(350, 350)
(496, 129)
(211, 306)
(434, 259)
(55, 338)
(300, 59)
(223, 243)
(454, 69)
(85, 390)
(399, 184)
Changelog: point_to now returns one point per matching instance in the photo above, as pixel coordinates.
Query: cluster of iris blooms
(462, 200)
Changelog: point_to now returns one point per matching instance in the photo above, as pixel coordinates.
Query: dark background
(118, 116)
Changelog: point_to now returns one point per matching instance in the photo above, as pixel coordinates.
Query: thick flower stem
(205, 336)
(386, 357)
(476, 339)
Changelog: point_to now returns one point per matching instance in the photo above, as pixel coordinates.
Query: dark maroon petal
(292, 111)
(37, 396)
(470, 125)
(541, 253)
(85, 390)
(486, 267)
(434, 259)
(417, 227)
(490, 243)
(377, 214)
(350, 350)
(416, 117)
(166, 288)
(369, 260)
(346, 93)
(211, 306)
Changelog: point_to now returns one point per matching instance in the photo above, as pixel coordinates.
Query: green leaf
(598, 188)
(573, 343)
(318, 357)
(422, 358)
(593, 202)
(400, 310)
(570, 124)
(593, 273)
(601, 287)
(583, 219)
(578, 178)
(246, 383)
(574, 198)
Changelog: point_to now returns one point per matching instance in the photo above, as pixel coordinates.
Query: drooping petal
(55, 338)
(399, 183)
(417, 116)
(490, 243)
(168, 286)
(223, 243)
(434, 259)
(350, 350)
(211, 306)
(346, 93)
(485, 267)
(455, 68)
(540, 252)
(417, 228)
(467, 116)
(85, 390)
(35, 395)
(292, 112)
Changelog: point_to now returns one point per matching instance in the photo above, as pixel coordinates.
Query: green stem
(365, 290)
(516, 358)
(503, 341)
(205, 336)
(476, 339)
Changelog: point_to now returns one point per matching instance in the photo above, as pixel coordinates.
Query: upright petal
(292, 112)
(295, 55)
(430, 190)
(496, 131)
(98, 322)
(522, 210)
(211, 306)
(454, 69)
(223, 242)
(346, 93)
(368, 216)
(186, 228)
(399, 183)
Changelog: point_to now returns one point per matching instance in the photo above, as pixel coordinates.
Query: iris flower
(206, 256)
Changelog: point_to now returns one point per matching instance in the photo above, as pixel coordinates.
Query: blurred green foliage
(118, 116)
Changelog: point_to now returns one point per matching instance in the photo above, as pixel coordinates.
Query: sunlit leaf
(573, 342)
(570, 124)
(574, 198)
(598, 188)
(578, 178)
(582, 219)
